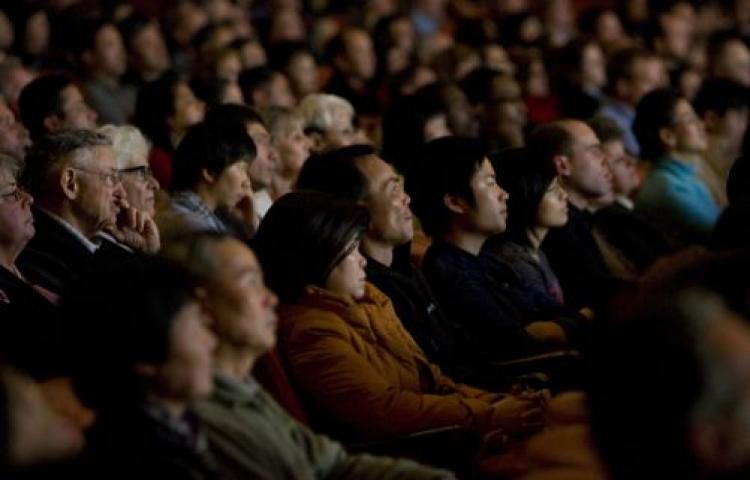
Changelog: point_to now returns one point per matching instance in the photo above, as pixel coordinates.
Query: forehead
(582, 133)
(232, 255)
(374, 168)
(100, 155)
(485, 170)
(70, 94)
(256, 130)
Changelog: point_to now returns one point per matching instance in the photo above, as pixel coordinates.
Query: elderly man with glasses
(78, 193)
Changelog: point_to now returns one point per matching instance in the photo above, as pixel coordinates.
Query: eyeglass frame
(111, 179)
(144, 172)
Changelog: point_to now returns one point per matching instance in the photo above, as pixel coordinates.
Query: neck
(536, 236)
(234, 362)
(8, 255)
(577, 200)
(379, 251)
(175, 137)
(690, 158)
(470, 242)
(280, 186)
(205, 194)
(106, 78)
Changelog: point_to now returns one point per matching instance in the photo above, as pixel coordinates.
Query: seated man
(73, 178)
(357, 173)
(52, 103)
(266, 163)
(328, 121)
(461, 205)
(244, 425)
(210, 173)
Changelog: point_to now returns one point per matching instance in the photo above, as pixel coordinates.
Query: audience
(344, 344)
(510, 258)
(245, 426)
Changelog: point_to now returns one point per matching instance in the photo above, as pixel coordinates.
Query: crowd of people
(376, 239)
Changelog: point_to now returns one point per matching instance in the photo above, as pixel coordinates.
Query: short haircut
(336, 173)
(445, 166)
(606, 129)
(654, 112)
(254, 79)
(49, 152)
(303, 237)
(132, 26)
(526, 183)
(321, 111)
(205, 147)
(105, 354)
(622, 64)
(720, 96)
(194, 253)
(127, 141)
(477, 85)
(279, 121)
(549, 140)
(40, 99)
(154, 105)
(233, 114)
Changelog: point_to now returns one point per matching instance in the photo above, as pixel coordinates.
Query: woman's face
(593, 71)
(188, 110)
(16, 221)
(187, 374)
(232, 185)
(553, 209)
(348, 277)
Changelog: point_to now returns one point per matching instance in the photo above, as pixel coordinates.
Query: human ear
(455, 204)
(562, 165)
(68, 183)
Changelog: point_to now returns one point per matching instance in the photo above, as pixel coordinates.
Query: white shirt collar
(90, 246)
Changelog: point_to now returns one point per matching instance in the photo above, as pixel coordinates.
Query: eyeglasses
(111, 179)
(12, 196)
(142, 172)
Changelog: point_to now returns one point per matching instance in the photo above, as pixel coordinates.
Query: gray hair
(194, 252)
(51, 152)
(321, 111)
(127, 142)
(279, 121)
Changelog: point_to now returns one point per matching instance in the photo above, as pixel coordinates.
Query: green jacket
(252, 435)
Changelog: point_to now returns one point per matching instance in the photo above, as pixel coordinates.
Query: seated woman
(346, 348)
(210, 184)
(253, 434)
(164, 111)
(28, 338)
(141, 370)
(537, 203)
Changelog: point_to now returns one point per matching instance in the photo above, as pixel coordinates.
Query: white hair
(127, 141)
(322, 111)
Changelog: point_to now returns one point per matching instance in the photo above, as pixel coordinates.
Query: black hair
(654, 112)
(336, 172)
(403, 126)
(205, 147)
(547, 141)
(621, 66)
(131, 26)
(720, 96)
(303, 237)
(139, 298)
(606, 129)
(526, 183)
(738, 181)
(253, 79)
(232, 114)
(154, 105)
(444, 166)
(40, 99)
(477, 85)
